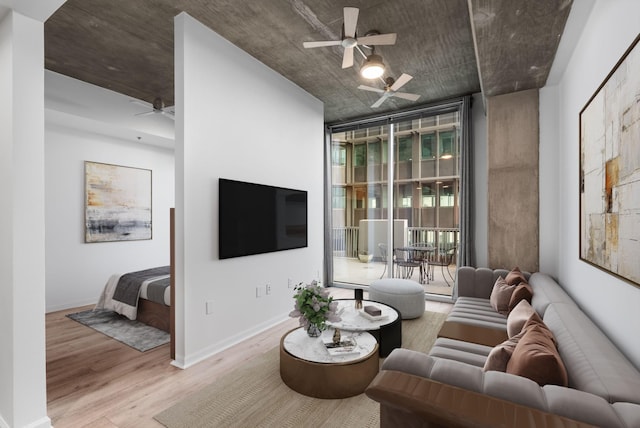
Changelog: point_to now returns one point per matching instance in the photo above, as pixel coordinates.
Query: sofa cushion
(458, 350)
(593, 363)
(518, 317)
(546, 291)
(515, 277)
(458, 374)
(409, 361)
(477, 311)
(523, 291)
(459, 355)
(501, 354)
(501, 295)
(580, 406)
(474, 348)
(536, 357)
(628, 412)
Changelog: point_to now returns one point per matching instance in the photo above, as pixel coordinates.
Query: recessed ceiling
(450, 47)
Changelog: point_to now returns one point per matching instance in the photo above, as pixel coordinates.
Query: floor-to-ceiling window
(424, 147)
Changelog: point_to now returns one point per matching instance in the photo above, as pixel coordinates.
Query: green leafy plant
(314, 306)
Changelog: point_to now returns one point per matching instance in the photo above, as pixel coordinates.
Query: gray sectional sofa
(448, 387)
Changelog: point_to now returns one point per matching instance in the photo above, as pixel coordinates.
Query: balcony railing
(345, 239)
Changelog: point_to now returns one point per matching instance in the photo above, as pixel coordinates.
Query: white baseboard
(66, 306)
(184, 363)
(44, 422)
(40, 423)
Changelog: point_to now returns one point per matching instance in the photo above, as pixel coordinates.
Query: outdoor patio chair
(384, 256)
(404, 262)
(442, 260)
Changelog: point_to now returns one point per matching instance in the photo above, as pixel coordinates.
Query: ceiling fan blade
(347, 58)
(381, 100)
(350, 21)
(169, 114)
(321, 43)
(141, 103)
(406, 96)
(370, 88)
(402, 80)
(378, 39)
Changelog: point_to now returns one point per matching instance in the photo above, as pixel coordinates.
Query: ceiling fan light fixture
(373, 67)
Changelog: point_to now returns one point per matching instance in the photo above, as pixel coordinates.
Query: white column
(22, 264)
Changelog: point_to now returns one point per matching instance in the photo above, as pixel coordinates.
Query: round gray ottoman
(405, 295)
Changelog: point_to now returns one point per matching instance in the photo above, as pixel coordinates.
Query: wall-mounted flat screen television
(256, 218)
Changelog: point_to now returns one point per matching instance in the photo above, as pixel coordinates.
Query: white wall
(612, 303)
(240, 120)
(76, 272)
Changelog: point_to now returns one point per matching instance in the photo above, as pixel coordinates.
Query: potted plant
(364, 256)
(314, 307)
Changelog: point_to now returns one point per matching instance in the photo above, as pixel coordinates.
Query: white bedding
(106, 298)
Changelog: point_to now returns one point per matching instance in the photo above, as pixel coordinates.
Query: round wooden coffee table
(307, 367)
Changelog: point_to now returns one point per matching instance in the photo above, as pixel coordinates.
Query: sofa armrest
(438, 404)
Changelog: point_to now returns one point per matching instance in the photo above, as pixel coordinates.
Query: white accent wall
(76, 272)
(237, 119)
(612, 303)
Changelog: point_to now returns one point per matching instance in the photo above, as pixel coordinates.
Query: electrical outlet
(209, 307)
(268, 288)
(258, 291)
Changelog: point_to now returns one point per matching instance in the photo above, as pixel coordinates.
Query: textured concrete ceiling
(450, 47)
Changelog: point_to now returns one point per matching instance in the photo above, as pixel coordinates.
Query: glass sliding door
(425, 208)
(359, 215)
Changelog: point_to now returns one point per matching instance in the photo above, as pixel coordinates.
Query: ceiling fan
(350, 40)
(157, 107)
(391, 89)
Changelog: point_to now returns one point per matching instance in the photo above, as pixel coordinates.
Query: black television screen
(255, 218)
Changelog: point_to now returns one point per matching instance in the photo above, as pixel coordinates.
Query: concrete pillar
(513, 139)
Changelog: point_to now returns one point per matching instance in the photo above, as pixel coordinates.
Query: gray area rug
(255, 396)
(133, 333)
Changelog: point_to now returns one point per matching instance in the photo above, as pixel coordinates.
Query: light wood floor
(96, 381)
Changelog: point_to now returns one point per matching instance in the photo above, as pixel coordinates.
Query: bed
(143, 295)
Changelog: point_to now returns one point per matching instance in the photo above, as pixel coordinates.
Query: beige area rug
(255, 396)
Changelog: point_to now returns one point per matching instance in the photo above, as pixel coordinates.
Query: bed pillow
(501, 296)
(515, 277)
(536, 356)
(499, 356)
(518, 317)
(523, 291)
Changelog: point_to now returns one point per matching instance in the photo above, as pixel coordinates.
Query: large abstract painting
(610, 172)
(117, 203)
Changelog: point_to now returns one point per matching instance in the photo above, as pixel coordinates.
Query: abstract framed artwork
(117, 203)
(610, 171)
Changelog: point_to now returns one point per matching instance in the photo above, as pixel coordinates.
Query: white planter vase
(365, 258)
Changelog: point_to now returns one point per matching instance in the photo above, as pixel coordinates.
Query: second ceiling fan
(349, 39)
(391, 90)
(157, 107)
